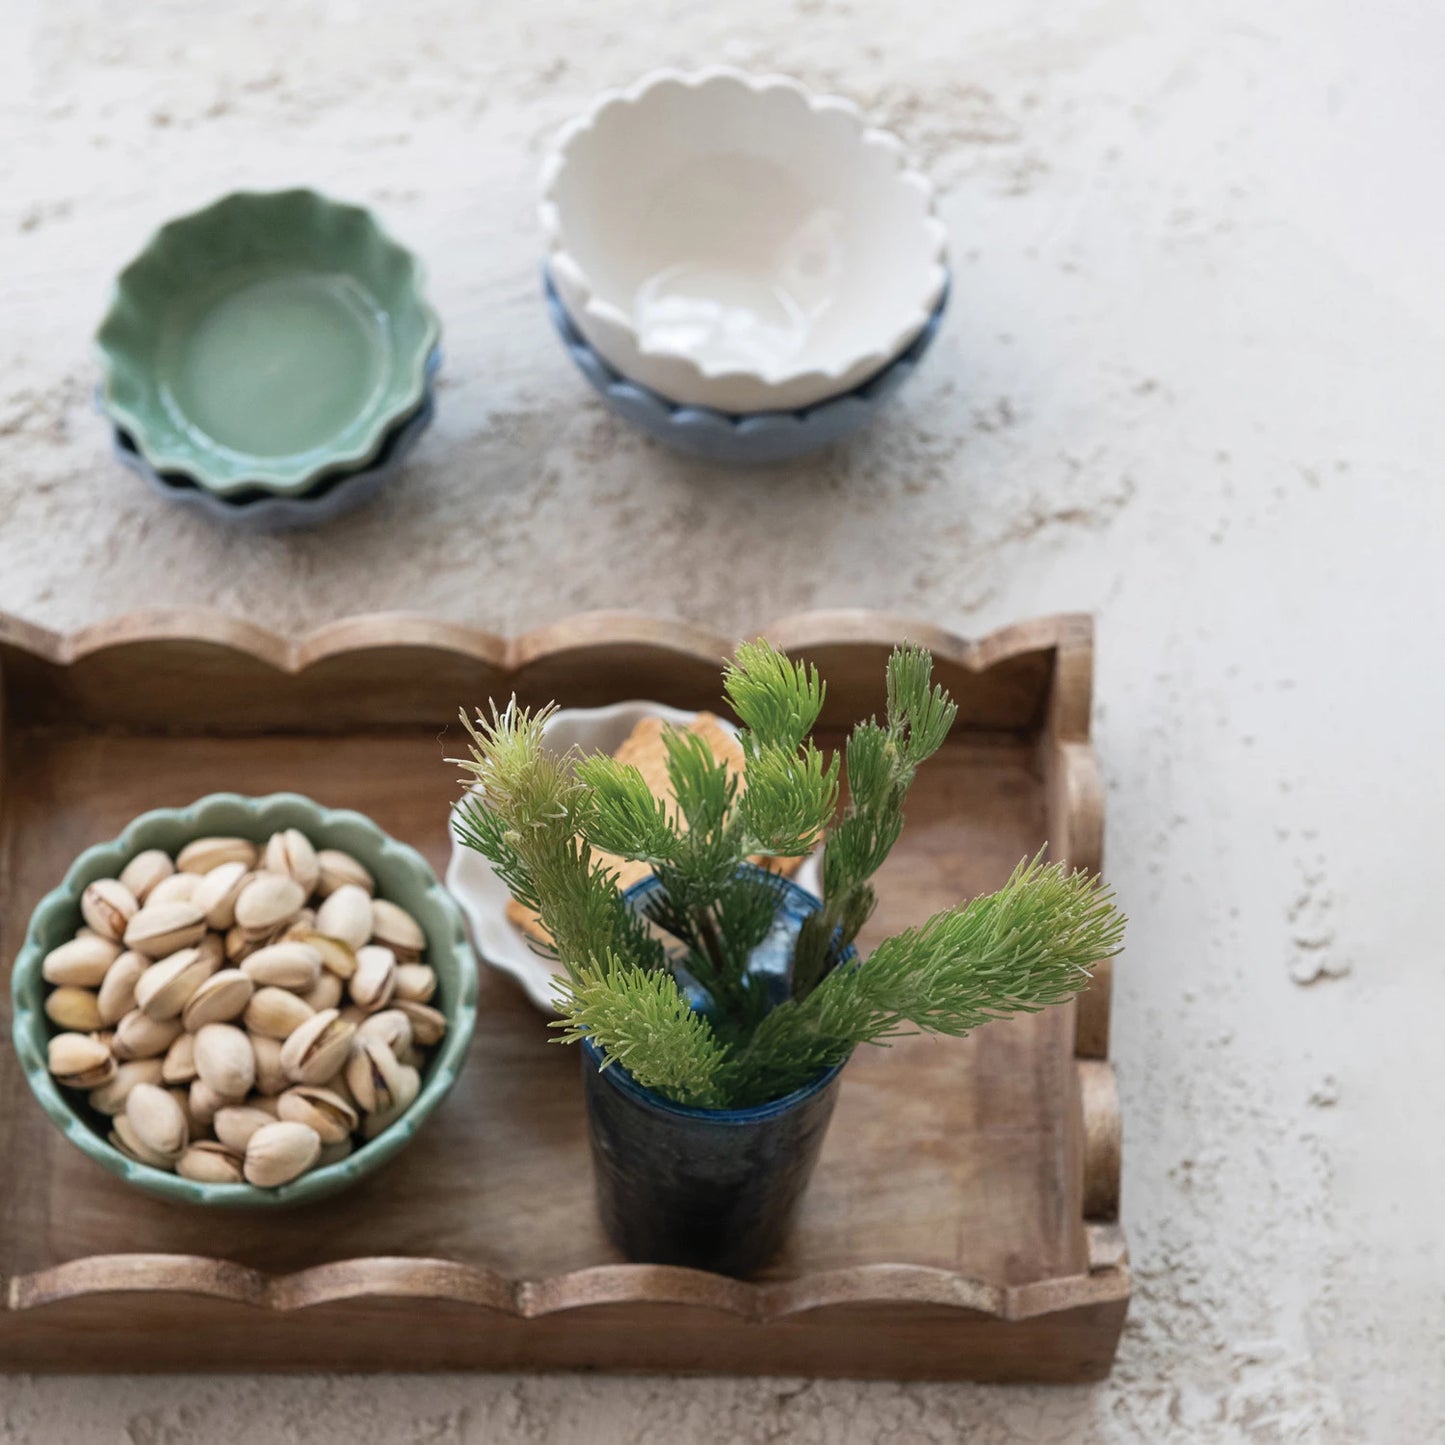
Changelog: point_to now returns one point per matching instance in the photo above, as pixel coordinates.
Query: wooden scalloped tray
(962, 1223)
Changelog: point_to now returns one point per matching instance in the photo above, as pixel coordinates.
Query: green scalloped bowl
(269, 340)
(401, 874)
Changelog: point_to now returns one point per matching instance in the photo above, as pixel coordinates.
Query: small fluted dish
(758, 438)
(737, 243)
(483, 897)
(262, 512)
(266, 342)
(401, 874)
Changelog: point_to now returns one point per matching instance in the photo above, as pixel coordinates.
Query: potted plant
(716, 1003)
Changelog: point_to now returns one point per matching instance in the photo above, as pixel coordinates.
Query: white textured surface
(1190, 381)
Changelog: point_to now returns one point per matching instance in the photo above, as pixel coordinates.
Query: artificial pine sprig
(538, 817)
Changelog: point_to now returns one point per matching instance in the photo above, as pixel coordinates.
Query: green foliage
(538, 818)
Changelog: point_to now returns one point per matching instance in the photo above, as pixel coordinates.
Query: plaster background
(1189, 381)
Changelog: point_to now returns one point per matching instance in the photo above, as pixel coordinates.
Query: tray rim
(1074, 800)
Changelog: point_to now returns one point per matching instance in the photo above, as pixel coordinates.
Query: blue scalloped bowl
(719, 436)
(401, 874)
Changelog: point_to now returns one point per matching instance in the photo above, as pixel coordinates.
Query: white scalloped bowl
(739, 243)
(473, 883)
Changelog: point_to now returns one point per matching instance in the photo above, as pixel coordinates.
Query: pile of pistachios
(242, 1014)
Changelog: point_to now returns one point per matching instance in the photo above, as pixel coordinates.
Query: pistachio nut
(216, 893)
(290, 852)
(428, 1024)
(160, 929)
(144, 871)
(286, 965)
(237, 946)
(221, 998)
(337, 869)
(317, 1050)
(416, 981)
(69, 1007)
(346, 915)
(79, 1061)
(107, 905)
(270, 1076)
(165, 988)
(158, 1121)
(82, 962)
(235, 1124)
(280, 1152)
(139, 1036)
(372, 1074)
(178, 888)
(275, 1012)
(396, 928)
(205, 1102)
(116, 997)
(110, 1098)
(204, 854)
(124, 1137)
(179, 1064)
(210, 1162)
(326, 992)
(374, 981)
(391, 1026)
(225, 1060)
(268, 902)
(181, 1093)
(327, 1112)
(408, 1086)
(336, 956)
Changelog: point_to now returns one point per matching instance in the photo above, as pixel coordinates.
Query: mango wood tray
(962, 1223)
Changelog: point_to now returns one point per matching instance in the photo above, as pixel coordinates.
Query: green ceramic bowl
(401, 874)
(269, 340)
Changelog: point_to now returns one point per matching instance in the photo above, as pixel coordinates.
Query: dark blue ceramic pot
(714, 1189)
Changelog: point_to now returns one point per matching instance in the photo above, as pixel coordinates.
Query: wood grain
(945, 1232)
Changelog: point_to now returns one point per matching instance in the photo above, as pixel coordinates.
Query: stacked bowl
(269, 360)
(739, 267)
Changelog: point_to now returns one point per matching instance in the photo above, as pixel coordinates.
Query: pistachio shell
(82, 962)
(267, 902)
(270, 1076)
(110, 1098)
(225, 1060)
(107, 905)
(326, 992)
(407, 1086)
(286, 965)
(396, 928)
(346, 915)
(415, 981)
(178, 888)
(317, 1050)
(205, 1102)
(117, 989)
(334, 1153)
(338, 869)
(391, 1026)
(79, 1061)
(158, 1121)
(68, 1007)
(179, 1064)
(281, 1152)
(161, 929)
(327, 1112)
(209, 1162)
(372, 1072)
(374, 981)
(290, 852)
(266, 1103)
(139, 1036)
(237, 946)
(144, 871)
(428, 1024)
(165, 988)
(221, 998)
(235, 1124)
(124, 1137)
(216, 893)
(337, 956)
(276, 1012)
(204, 854)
